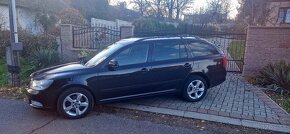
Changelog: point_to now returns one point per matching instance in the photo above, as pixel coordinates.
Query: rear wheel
(194, 89)
(75, 103)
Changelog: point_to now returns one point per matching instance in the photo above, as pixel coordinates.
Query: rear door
(170, 64)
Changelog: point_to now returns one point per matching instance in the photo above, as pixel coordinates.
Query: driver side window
(133, 55)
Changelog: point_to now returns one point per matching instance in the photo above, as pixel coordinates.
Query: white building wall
(25, 20)
(113, 25)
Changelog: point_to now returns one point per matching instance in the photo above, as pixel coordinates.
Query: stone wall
(126, 32)
(266, 45)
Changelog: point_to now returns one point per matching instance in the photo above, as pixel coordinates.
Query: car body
(130, 68)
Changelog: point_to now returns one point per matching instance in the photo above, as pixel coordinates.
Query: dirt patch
(18, 93)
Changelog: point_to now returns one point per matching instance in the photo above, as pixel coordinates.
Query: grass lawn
(282, 100)
(14, 92)
(237, 50)
(3, 73)
(25, 72)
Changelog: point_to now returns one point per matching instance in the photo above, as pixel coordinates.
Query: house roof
(278, 0)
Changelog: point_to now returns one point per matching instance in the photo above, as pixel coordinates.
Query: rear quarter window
(202, 49)
(168, 50)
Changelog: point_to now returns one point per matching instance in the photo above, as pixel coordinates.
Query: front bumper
(36, 104)
(44, 99)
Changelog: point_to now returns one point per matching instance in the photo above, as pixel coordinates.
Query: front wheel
(194, 89)
(75, 103)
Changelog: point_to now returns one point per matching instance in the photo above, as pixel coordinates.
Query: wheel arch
(76, 85)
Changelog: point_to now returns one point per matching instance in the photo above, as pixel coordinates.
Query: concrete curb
(215, 118)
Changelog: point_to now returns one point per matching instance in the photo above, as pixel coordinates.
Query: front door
(130, 78)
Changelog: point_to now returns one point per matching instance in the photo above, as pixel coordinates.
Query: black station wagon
(130, 68)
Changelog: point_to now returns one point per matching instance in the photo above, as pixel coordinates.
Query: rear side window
(168, 51)
(202, 49)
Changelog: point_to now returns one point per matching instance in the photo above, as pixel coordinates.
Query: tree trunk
(170, 9)
(177, 14)
(159, 9)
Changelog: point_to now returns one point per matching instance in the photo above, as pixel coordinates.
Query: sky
(197, 4)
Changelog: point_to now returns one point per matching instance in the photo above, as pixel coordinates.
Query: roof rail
(162, 36)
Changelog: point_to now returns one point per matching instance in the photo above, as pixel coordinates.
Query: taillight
(225, 61)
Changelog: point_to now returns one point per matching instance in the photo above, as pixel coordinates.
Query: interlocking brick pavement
(234, 98)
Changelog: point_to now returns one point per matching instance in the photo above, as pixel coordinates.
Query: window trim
(180, 42)
(200, 41)
(284, 16)
(127, 47)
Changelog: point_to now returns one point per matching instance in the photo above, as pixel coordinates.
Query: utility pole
(12, 51)
(252, 12)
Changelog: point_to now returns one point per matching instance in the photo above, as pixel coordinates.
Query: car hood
(64, 68)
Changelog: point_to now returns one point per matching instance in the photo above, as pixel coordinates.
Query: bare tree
(161, 8)
(158, 7)
(219, 9)
(180, 6)
(169, 4)
(254, 12)
(141, 5)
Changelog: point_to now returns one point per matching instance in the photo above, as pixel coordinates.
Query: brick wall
(266, 45)
(66, 44)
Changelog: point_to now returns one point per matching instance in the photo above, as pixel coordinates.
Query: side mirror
(113, 65)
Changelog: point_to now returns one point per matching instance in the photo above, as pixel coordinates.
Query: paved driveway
(234, 99)
(16, 117)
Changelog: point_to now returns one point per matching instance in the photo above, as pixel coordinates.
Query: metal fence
(232, 45)
(94, 37)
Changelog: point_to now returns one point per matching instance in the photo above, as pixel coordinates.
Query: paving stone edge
(208, 117)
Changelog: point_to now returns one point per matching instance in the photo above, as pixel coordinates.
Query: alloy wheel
(75, 104)
(195, 89)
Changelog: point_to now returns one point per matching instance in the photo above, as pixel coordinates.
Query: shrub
(30, 42)
(4, 42)
(277, 75)
(72, 16)
(86, 55)
(151, 27)
(46, 21)
(41, 58)
(34, 42)
(190, 29)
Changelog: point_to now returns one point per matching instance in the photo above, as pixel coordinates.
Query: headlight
(40, 84)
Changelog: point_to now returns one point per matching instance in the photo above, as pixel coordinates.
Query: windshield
(107, 52)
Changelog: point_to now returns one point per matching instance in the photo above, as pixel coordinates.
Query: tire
(194, 89)
(78, 102)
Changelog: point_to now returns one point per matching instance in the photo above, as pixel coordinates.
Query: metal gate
(93, 37)
(232, 45)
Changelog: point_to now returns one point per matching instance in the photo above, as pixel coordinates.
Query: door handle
(187, 65)
(144, 70)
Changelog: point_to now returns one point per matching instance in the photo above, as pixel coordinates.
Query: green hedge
(152, 27)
